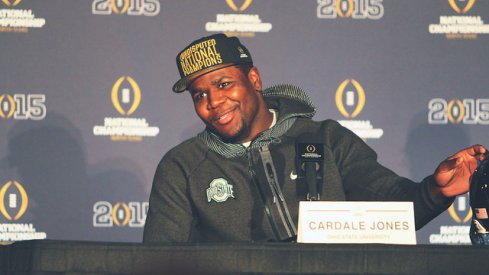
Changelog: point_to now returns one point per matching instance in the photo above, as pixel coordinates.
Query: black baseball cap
(208, 54)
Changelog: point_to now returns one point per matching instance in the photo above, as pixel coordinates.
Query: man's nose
(215, 98)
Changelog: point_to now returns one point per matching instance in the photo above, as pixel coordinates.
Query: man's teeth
(223, 116)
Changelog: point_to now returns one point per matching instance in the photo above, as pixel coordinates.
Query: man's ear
(255, 79)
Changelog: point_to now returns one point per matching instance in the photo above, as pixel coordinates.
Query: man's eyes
(223, 85)
(199, 96)
(202, 94)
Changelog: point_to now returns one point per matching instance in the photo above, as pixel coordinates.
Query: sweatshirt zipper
(261, 193)
(280, 203)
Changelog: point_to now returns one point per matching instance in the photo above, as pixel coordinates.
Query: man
(237, 180)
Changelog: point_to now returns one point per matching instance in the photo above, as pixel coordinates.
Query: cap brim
(182, 84)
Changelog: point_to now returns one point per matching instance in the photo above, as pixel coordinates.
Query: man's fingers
(474, 153)
(484, 155)
(475, 150)
(449, 164)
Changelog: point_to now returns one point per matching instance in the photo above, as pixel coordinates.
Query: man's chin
(229, 138)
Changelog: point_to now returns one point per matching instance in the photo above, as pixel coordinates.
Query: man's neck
(274, 121)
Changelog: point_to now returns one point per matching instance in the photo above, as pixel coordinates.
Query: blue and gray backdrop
(86, 108)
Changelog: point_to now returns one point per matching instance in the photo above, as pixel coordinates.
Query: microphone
(309, 156)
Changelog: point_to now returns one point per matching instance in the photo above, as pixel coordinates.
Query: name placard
(356, 222)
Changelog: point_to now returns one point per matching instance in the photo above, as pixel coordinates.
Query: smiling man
(237, 179)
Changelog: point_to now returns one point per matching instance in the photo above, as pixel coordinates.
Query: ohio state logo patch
(219, 190)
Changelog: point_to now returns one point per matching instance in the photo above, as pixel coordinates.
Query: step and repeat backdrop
(87, 112)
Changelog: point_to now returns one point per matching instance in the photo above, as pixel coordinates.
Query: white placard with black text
(356, 222)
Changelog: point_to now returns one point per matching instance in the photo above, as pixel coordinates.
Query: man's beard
(241, 133)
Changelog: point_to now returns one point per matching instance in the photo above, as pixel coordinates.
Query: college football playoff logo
(235, 8)
(455, 6)
(358, 101)
(123, 95)
(9, 200)
(11, 3)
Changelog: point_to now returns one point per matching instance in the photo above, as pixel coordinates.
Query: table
(77, 257)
